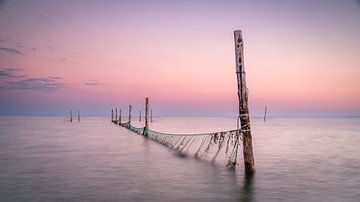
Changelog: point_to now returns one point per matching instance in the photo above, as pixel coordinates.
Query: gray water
(297, 159)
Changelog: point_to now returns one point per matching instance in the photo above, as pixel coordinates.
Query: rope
(191, 134)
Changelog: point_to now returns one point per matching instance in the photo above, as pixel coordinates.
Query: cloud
(10, 80)
(4, 73)
(9, 73)
(42, 84)
(11, 50)
(89, 83)
(12, 69)
(54, 77)
(18, 45)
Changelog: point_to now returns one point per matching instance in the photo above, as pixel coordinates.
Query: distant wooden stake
(115, 114)
(70, 115)
(78, 111)
(249, 162)
(151, 120)
(145, 132)
(265, 113)
(119, 116)
(112, 115)
(140, 116)
(129, 114)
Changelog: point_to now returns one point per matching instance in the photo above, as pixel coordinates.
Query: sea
(296, 159)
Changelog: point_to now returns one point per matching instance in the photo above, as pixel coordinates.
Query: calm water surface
(297, 159)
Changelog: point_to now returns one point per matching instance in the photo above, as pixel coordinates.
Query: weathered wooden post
(70, 115)
(119, 116)
(112, 115)
(145, 131)
(115, 114)
(78, 111)
(151, 120)
(265, 113)
(129, 114)
(140, 116)
(249, 162)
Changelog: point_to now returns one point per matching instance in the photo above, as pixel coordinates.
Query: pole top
(237, 32)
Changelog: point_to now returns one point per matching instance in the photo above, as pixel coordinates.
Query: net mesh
(207, 146)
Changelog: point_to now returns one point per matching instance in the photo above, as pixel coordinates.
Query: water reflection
(244, 191)
(247, 189)
(242, 185)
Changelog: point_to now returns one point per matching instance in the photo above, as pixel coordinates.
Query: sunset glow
(301, 57)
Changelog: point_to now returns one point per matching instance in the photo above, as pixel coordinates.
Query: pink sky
(300, 58)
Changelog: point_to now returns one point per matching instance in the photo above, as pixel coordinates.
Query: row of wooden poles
(71, 116)
(117, 118)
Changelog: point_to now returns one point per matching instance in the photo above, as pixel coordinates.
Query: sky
(302, 58)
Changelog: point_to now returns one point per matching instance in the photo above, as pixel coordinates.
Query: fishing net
(206, 146)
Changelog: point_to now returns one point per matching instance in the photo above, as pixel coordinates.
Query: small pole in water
(70, 115)
(129, 114)
(145, 131)
(140, 116)
(151, 120)
(249, 162)
(119, 116)
(112, 115)
(265, 113)
(78, 111)
(115, 114)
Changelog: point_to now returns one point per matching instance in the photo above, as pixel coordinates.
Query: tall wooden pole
(146, 117)
(129, 114)
(78, 111)
(249, 162)
(140, 116)
(115, 114)
(112, 115)
(70, 115)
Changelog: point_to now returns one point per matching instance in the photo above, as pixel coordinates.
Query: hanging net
(206, 146)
